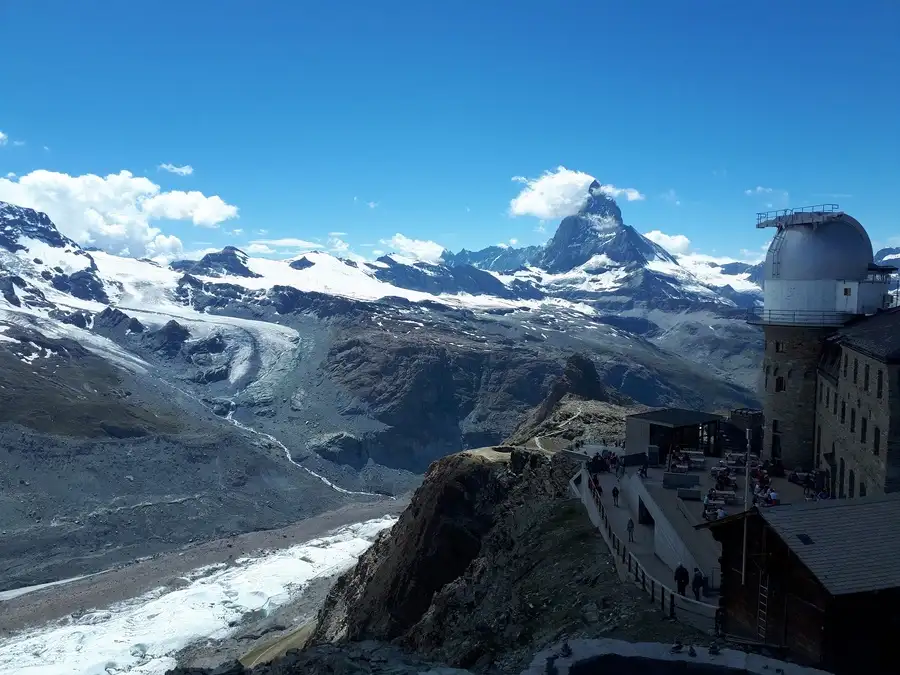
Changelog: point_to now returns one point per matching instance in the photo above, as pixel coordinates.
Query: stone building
(819, 278)
(858, 407)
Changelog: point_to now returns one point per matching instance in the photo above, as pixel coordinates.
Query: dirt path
(47, 604)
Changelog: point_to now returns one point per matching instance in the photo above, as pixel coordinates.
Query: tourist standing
(630, 529)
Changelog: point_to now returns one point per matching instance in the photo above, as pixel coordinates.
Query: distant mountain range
(233, 392)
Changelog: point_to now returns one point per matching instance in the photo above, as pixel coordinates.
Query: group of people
(607, 462)
(698, 583)
(764, 493)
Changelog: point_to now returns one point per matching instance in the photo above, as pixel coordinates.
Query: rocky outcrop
(230, 261)
(491, 560)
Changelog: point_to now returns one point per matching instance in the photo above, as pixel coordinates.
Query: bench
(690, 494)
(680, 480)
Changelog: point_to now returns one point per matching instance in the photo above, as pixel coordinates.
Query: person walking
(682, 578)
(697, 584)
(630, 529)
(615, 494)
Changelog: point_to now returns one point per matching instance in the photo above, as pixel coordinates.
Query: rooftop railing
(805, 214)
(797, 317)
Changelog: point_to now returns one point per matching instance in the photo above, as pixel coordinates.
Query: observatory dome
(835, 249)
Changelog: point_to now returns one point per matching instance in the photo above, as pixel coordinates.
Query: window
(834, 403)
(847, 290)
(767, 378)
(821, 394)
(776, 447)
(845, 365)
(876, 440)
(843, 411)
(775, 427)
(852, 420)
(863, 428)
(879, 383)
(779, 346)
(827, 397)
(862, 489)
(855, 370)
(818, 445)
(866, 377)
(851, 487)
(779, 383)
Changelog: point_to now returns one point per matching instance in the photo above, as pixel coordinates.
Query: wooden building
(820, 580)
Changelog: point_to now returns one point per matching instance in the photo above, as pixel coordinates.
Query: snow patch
(143, 635)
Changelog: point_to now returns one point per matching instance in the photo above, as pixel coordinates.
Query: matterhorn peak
(600, 204)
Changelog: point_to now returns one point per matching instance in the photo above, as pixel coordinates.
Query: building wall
(797, 603)
(806, 296)
(859, 466)
(790, 362)
(637, 435)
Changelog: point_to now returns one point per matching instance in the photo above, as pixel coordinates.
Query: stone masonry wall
(791, 353)
(865, 471)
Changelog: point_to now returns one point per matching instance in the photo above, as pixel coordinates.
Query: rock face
(230, 261)
(491, 560)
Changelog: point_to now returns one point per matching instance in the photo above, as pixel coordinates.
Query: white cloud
(560, 193)
(262, 233)
(194, 206)
(338, 245)
(426, 250)
(502, 245)
(259, 248)
(672, 197)
(673, 243)
(377, 251)
(185, 170)
(11, 174)
(193, 254)
(337, 234)
(513, 241)
(3, 138)
(759, 190)
(288, 242)
(18, 144)
(114, 212)
(46, 148)
(371, 205)
(236, 232)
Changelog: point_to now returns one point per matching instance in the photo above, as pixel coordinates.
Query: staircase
(763, 606)
(775, 252)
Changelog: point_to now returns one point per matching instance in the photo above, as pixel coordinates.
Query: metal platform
(802, 215)
(800, 317)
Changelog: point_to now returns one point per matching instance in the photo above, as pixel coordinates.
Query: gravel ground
(129, 581)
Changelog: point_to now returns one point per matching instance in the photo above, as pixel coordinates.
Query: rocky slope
(491, 561)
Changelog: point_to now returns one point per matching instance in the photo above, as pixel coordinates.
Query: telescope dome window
(805, 539)
(847, 290)
(779, 384)
(779, 346)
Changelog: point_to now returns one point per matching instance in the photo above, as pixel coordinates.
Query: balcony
(799, 317)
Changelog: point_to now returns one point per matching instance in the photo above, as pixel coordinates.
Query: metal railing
(788, 216)
(797, 317)
(698, 614)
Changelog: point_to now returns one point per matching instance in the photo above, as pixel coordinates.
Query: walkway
(643, 547)
(635, 560)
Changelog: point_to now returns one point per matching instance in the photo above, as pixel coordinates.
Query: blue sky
(373, 119)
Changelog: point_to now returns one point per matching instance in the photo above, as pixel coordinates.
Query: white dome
(835, 249)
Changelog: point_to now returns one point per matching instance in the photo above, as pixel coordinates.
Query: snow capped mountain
(595, 258)
(235, 392)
